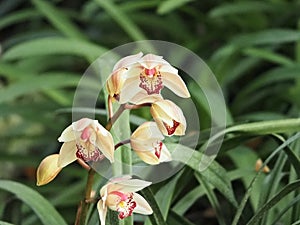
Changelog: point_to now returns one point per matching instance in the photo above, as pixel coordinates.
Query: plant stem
(84, 204)
(127, 141)
(115, 117)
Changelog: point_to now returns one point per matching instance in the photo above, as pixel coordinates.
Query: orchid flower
(120, 195)
(169, 117)
(116, 79)
(147, 143)
(84, 139)
(149, 76)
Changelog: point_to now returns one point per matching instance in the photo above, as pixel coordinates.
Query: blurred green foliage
(253, 48)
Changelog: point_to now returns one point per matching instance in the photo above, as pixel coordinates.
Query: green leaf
(170, 5)
(18, 16)
(212, 197)
(53, 46)
(38, 83)
(267, 127)
(269, 56)
(273, 201)
(122, 19)
(254, 180)
(240, 8)
(245, 159)
(188, 200)
(156, 218)
(164, 196)
(273, 76)
(5, 223)
(175, 219)
(214, 174)
(58, 19)
(43, 209)
(271, 36)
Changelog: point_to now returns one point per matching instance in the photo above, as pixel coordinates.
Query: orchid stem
(122, 143)
(128, 106)
(115, 117)
(83, 207)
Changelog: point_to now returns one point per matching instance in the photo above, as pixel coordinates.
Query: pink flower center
(125, 205)
(86, 133)
(151, 81)
(158, 148)
(150, 72)
(171, 129)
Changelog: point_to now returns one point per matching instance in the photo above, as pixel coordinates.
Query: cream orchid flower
(168, 117)
(116, 79)
(84, 139)
(147, 143)
(120, 195)
(149, 76)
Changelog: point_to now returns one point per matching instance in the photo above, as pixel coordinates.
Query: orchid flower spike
(84, 139)
(116, 79)
(169, 117)
(120, 195)
(149, 76)
(147, 143)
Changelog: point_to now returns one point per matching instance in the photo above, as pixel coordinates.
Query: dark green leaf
(44, 210)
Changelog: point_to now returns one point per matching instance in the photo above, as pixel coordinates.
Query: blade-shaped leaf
(53, 46)
(44, 210)
(59, 19)
(273, 201)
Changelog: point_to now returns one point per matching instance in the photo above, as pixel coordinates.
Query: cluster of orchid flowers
(135, 81)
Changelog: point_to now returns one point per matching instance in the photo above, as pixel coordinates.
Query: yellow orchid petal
(67, 154)
(147, 131)
(173, 81)
(148, 157)
(105, 143)
(146, 141)
(67, 135)
(142, 97)
(169, 117)
(127, 61)
(119, 195)
(142, 206)
(129, 90)
(82, 124)
(165, 155)
(150, 61)
(120, 72)
(102, 211)
(48, 169)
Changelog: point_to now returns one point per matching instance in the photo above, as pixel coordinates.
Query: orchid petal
(67, 154)
(127, 61)
(148, 157)
(102, 210)
(67, 135)
(150, 61)
(142, 206)
(105, 143)
(81, 124)
(47, 169)
(129, 90)
(142, 97)
(165, 155)
(165, 112)
(175, 83)
(132, 185)
(148, 130)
